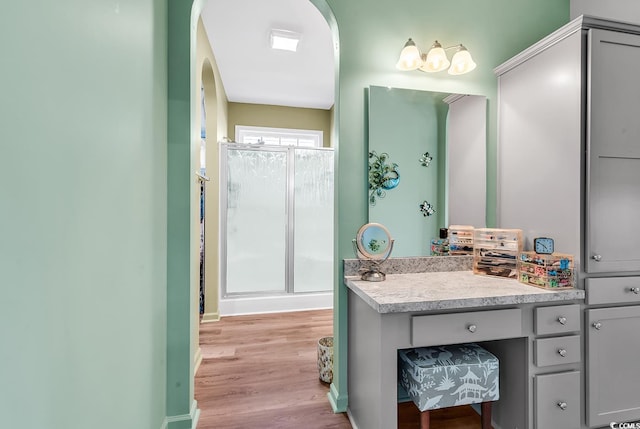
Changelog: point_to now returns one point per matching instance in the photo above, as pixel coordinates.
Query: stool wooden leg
(424, 419)
(486, 415)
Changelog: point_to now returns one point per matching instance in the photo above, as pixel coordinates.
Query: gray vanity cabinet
(569, 168)
(613, 347)
(613, 142)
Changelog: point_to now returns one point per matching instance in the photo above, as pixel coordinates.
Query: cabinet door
(613, 347)
(613, 138)
(557, 400)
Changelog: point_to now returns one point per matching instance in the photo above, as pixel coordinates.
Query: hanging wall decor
(425, 159)
(382, 176)
(427, 209)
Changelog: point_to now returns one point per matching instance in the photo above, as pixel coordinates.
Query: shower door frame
(289, 236)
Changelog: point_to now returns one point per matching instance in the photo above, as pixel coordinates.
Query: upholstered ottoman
(448, 376)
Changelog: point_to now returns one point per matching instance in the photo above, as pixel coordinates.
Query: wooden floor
(260, 372)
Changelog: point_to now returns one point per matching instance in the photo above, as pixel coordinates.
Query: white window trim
(243, 131)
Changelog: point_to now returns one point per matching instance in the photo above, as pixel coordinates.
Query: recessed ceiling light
(284, 40)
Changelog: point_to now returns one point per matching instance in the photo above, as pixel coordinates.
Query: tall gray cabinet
(613, 148)
(569, 168)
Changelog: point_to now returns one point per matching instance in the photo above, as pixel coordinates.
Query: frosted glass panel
(313, 245)
(256, 221)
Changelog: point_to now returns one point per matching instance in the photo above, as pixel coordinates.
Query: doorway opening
(270, 89)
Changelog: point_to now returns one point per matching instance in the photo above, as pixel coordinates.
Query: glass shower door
(256, 220)
(313, 226)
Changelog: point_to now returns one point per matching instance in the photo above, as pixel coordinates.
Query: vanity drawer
(557, 319)
(613, 290)
(557, 350)
(433, 330)
(557, 400)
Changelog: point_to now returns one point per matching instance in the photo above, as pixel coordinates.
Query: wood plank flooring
(260, 372)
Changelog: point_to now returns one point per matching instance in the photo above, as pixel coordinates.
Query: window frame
(242, 131)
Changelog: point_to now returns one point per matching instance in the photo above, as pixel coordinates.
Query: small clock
(543, 245)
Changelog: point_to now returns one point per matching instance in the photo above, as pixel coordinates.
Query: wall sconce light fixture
(436, 59)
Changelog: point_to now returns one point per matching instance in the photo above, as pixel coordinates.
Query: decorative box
(555, 271)
(460, 240)
(495, 251)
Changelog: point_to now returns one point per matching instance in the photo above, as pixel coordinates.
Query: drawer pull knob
(635, 290)
(472, 328)
(562, 320)
(562, 352)
(597, 258)
(597, 325)
(562, 405)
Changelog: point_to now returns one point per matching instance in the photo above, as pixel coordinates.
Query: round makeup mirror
(373, 243)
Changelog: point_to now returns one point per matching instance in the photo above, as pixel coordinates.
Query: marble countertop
(450, 290)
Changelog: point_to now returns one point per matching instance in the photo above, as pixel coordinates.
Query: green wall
(262, 115)
(182, 145)
(83, 205)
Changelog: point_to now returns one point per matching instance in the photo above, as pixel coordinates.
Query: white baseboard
(197, 360)
(275, 304)
(210, 317)
(353, 425)
(183, 421)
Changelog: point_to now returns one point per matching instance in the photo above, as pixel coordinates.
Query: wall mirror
(427, 164)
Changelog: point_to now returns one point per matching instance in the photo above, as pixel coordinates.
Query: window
(278, 136)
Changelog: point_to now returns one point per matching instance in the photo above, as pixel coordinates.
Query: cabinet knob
(562, 320)
(562, 405)
(597, 258)
(635, 290)
(597, 325)
(562, 352)
(472, 328)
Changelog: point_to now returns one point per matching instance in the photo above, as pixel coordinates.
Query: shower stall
(277, 228)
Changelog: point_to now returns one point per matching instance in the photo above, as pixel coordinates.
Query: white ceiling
(252, 72)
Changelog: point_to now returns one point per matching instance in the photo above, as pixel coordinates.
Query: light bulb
(410, 58)
(461, 62)
(436, 59)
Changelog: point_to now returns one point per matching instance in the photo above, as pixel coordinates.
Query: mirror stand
(373, 244)
(373, 273)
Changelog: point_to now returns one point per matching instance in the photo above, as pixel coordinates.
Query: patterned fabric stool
(447, 376)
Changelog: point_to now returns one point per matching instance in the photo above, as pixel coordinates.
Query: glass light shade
(436, 59)
(284, 40)
(409, 57)
(461, 62)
